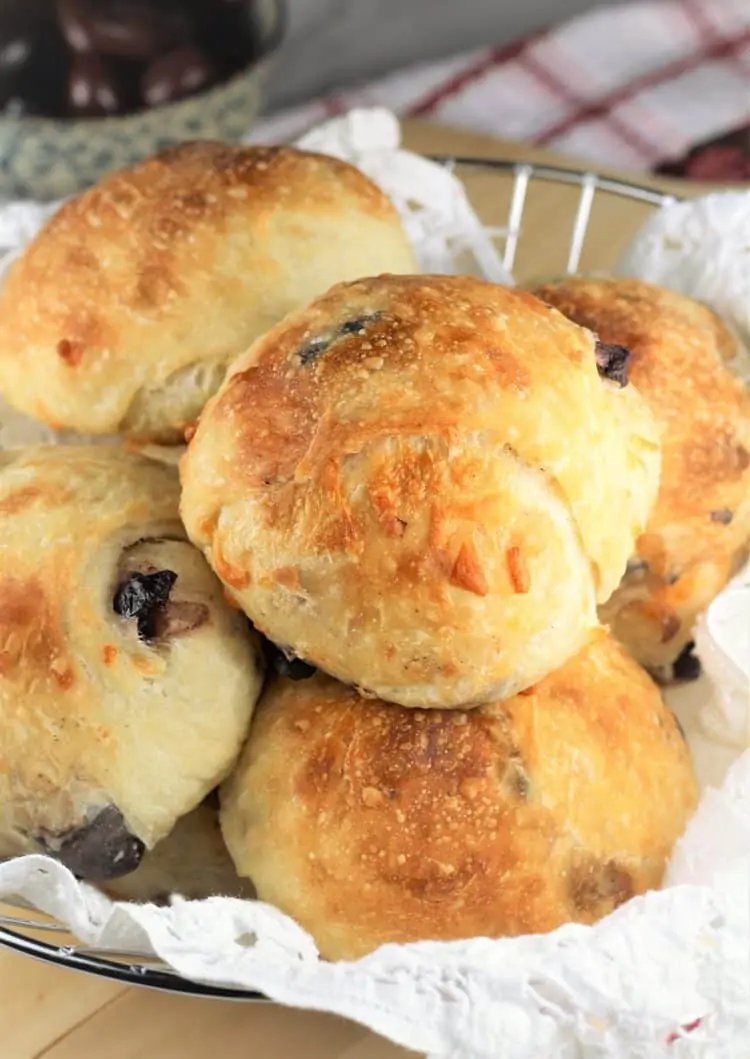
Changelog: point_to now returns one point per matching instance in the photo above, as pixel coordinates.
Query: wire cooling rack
(28, 931)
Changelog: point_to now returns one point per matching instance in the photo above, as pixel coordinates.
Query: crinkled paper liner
(667, 974)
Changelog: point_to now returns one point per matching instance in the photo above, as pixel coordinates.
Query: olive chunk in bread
(127, 682)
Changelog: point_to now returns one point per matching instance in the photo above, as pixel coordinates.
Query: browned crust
(386, 434)
(89, 710)
(139, 248)
(701, 522)
(678, 351)
(370, 823)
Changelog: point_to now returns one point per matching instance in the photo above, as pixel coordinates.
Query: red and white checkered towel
(660, 85)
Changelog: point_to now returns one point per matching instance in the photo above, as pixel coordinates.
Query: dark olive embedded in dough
(286, 664)
(310, 353)
(101, 849)
(598, 886)
(293, 668)
(687, 666)
(612, 362)
(358, 325)
(723, 515)
(313, 349)
(142, 596)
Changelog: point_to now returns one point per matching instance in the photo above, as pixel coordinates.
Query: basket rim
(127, 974)
(630, 189)
(134, 973)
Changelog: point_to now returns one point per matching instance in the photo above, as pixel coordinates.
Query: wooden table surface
(61, 1014)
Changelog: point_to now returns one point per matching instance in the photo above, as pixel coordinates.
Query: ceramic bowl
(49, 158)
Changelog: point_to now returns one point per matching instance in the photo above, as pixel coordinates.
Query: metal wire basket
(28, 931)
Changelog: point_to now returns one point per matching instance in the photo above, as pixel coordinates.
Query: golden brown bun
(111, 727)
(124, 312)
(699, 529)
(369, 823)
(191, 861)
(420, 485)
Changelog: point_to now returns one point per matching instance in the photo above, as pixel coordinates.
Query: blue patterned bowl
(49, 158)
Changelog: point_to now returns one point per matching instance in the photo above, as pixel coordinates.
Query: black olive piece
(312, 350)
(355, 327)
(142, 596)
(293, 668)
(723, 515)
(286, 664)
(687, 666)
(101, 849)
(612, 362)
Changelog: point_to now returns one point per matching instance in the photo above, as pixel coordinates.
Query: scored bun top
(420, 485)
(698, 532)
(369, 823)
(124, 311)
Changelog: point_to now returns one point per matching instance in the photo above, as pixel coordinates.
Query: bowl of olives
(88, 86)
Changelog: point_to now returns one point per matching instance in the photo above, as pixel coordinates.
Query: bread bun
(369, 823)
(699, 530)
(191, 861)
(125, 310)
(127, 683)
(421, 485)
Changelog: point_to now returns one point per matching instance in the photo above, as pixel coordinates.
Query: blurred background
(647, 85)
(331, 43)
(642, 85)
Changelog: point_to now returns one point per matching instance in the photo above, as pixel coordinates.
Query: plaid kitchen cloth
(660, 86)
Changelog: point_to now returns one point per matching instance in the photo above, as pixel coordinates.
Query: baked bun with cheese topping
(125, 310)
(422, 485)
(127, 682)
(369, 823)
(699, 530)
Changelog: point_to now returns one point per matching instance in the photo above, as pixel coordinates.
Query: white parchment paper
(667, 974)
(701, 247)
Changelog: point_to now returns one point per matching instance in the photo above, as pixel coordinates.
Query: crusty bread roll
(699, 530)
(369, 823)
(191, 861)
(124, 312)
(421, 485)
(127, 682)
